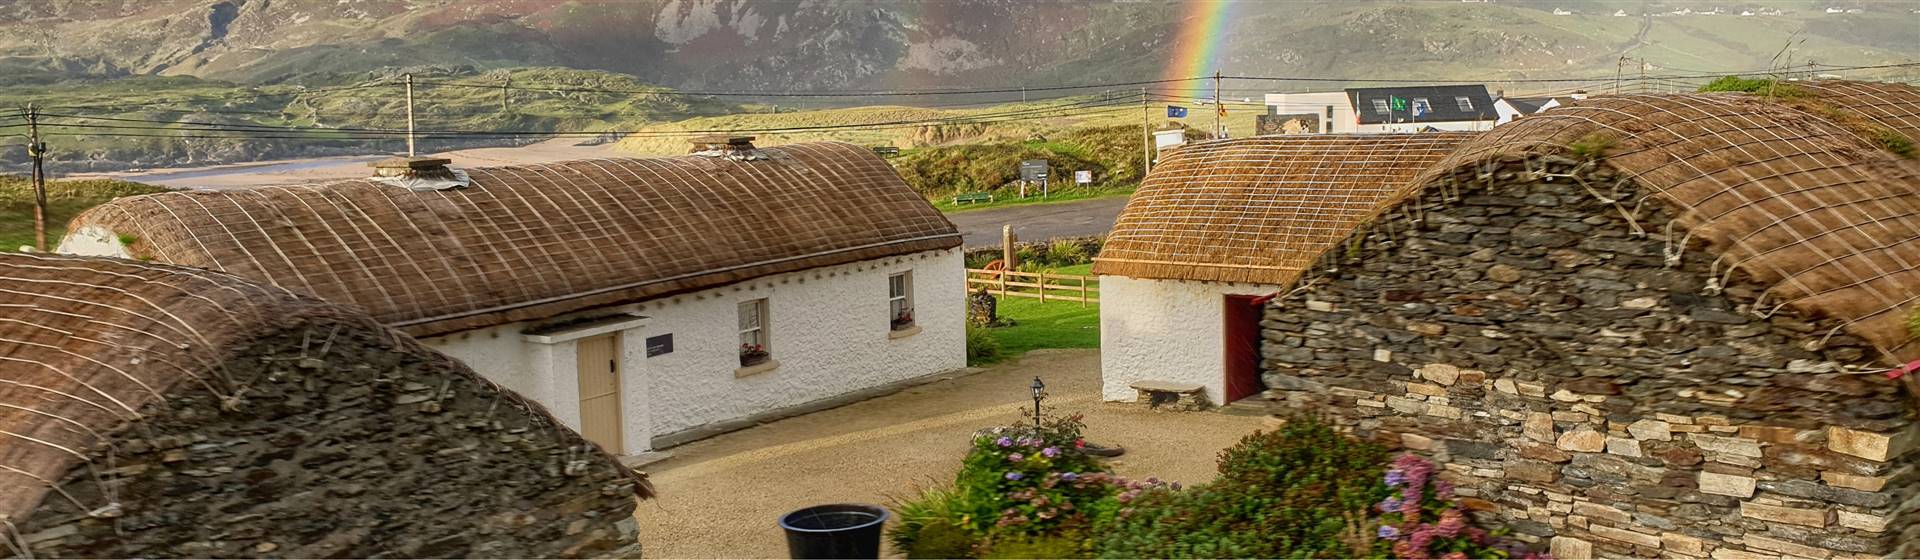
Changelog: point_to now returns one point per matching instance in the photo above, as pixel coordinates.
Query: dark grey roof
(1444, 103)
(1528, 105)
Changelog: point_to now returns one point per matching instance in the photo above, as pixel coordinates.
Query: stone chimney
(722, 144)
(418, 173)
(430, 168)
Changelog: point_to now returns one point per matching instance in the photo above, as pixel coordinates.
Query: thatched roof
(1895, 106)
(87, 344)
(1262, 209)
(1815, 210)
(530, 242)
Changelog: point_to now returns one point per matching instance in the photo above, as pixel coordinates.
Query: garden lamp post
(1037, 388)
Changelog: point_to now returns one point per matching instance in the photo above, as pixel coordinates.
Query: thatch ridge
(1812, 209)
(86, 344)
(1261, 209)
(528, 242)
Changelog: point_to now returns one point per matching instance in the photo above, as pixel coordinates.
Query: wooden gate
(599, 360)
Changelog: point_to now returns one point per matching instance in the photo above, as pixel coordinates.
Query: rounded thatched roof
(530, 242)
(1262, 209)
(88, 345)
(1815, 210)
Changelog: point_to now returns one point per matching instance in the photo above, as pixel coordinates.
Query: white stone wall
(1165, 330)
(828, 330)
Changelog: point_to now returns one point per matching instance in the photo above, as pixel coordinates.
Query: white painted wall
(93, 241)
(829, 330)
(1165, 330)
(1409, 127)
(1317, 102)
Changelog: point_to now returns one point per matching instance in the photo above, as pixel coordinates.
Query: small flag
(1223, 109)
(1176, 112)
(1419, 109)
(1396, 103)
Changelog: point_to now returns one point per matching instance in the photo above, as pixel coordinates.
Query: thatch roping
(1262, 209)
(531, 242)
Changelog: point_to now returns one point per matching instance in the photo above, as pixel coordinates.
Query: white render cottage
(1206, 240)
(645, 302)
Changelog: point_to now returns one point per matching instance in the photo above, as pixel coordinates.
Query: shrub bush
(1067, 252)
(982, 347)
(1066, 546)
(1282, 494)
(931, 525)
(1420, 519)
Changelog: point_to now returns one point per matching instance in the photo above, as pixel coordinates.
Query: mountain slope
(821, 44)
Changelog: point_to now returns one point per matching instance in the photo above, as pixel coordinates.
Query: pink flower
(1016, 457)
(1455, 556)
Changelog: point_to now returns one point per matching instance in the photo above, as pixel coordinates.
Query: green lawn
(1054, 324)
(1012, 198)
(1046, 325)
(64, 200)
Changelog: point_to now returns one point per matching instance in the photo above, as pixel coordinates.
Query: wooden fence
(1040, 285)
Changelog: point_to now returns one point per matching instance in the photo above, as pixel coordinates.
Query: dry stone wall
(348, 442)
(1593, 386)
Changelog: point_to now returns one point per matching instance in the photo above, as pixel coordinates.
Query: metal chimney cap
(420, 162)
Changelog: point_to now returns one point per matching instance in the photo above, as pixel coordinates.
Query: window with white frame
(900, 299)
(1465, 103)
(753, 332)
(1380, 106)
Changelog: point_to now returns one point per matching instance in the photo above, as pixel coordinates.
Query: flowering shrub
(1282, 494)
(1018, 484)
(1420, 519)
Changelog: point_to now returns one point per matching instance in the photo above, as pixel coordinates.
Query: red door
(1242, 348)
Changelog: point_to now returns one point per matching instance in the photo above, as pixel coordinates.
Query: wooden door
(1242, 330)
(599, 359)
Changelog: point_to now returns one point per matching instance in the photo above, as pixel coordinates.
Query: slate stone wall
(1593, 386)
(346, 443)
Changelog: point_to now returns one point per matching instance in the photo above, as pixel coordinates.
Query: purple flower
(1014, 476)
(1016, 457)
(1394, 477)
(1388, 532)
(1069, 477)
(1176, 486)
(1003, 442)
(1390, 505)
(1050, 452)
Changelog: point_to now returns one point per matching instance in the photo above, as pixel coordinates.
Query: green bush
(1067, 252)
(1282, 494)
(941, 539)
(1761, 86)
(982, 347)
(1913, 323)
(1592, 146)
(1068, 546)
(933, 525)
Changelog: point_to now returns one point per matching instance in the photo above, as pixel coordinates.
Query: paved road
(1039, 222)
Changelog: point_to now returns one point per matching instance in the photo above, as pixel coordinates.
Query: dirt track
(720, 497)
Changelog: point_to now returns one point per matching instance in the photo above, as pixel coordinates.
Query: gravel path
(719, 497)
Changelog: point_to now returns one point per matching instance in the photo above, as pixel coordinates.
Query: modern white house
(645, 302)
(1510, 108)
(1392, 109)
(1214, 231)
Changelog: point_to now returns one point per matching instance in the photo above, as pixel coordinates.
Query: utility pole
(37, 151)
(1146, 136)
(1618, 67)
(506, 88)
(1217, 108)
(410, 152)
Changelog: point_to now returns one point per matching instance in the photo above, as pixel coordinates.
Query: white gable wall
(1165, 330)
(829, 331)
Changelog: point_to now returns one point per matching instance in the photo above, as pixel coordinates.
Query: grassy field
(1054, 324)
(64, 200)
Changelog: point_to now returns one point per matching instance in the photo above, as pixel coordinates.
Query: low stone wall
(1587, 395)
(346, 441)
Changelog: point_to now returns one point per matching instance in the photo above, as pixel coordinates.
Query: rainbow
(1197, 42)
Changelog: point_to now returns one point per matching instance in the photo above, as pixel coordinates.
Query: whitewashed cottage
(645, 302)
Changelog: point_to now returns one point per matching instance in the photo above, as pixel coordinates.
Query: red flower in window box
(753, 355)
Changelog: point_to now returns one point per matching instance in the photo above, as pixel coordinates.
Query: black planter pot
(834, 531)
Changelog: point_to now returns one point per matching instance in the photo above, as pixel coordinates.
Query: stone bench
(1178, 396)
